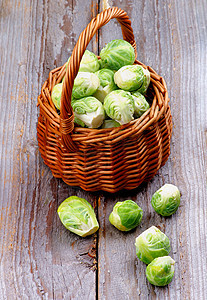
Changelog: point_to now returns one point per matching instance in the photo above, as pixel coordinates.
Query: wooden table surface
(39, 258)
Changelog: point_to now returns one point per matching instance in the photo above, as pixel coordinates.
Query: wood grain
(39, 258)
(171, 38)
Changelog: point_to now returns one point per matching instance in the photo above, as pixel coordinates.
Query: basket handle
(66, 111)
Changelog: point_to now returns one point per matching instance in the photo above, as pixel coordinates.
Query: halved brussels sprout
(116, 54)
(126, 215)
(89, 62)
(119, 106)
(152, 243)
(141, 104)
(166, 200)
(107, 84)
(85, 84)
(78, 216)
(129, 78)
(109, 124)
(56, 94)
(160, 271)
(89, 110)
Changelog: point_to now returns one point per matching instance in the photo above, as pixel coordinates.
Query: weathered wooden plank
(171, 37)
(39, 258)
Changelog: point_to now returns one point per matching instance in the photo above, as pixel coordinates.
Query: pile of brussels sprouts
(152, 245)
(107, 92)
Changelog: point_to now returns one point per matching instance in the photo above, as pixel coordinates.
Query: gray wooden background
(39, 258)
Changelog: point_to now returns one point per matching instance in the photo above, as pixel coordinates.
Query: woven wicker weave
(103, 159)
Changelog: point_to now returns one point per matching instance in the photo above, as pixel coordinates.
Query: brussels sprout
(145, 83)
(129, 78)
(166, 200)
(141, 104)
(109, 124)
(89, 62)
(119, 106)
(126, 215)
(89, 110)
(116, 54)
(56, 94)
(160, 271)
(78, 216)
(107, 84)
(152, 243)
(85, 84)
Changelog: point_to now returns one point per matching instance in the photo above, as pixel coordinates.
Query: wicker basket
(103, 159)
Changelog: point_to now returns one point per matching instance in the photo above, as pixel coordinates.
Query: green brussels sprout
(78, 216)
(160, 271)
(145, 83)
(107, 84)
(89, 62)
(89, 110)
(85, 84)
(116, 54)
(126, 215)
(119, 106)
(166, 200)
(152, 243)
(129, 78)
(109, 124)
(56, 94)
(141, 104)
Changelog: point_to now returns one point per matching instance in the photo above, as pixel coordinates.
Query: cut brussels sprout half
(126, 215)
(166, 200)
(152, 243)
(78, 216)
(56, 94)
(116, 54)
(141, 104)
(107, 84)
(85, 84)
(160, 271)
(88, 110)
(119, 106)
